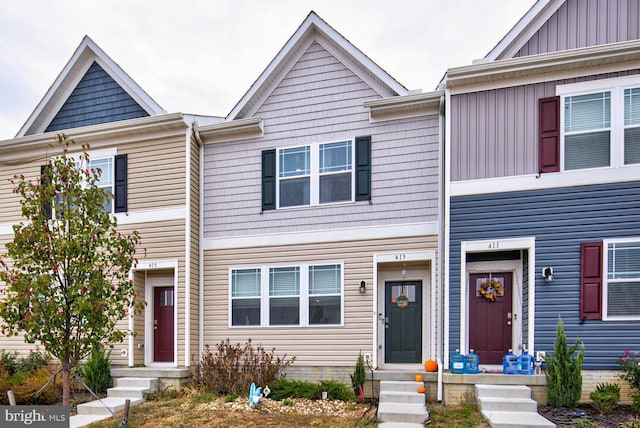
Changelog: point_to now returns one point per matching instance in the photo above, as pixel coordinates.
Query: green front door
(403, 322)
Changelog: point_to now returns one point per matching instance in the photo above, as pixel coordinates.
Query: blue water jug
(471, 363)
(510, 363)
(457, 363)
(525, 364)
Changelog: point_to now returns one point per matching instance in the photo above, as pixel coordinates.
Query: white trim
(201, 255)
(525, 243)
(131, 361)
(145, 266)
(318, 236)
(7, 228)
(605, 279)
(303, 296)
(444, 255)
(428, 322)
(553, 180)
(86, 53)
(178, 212)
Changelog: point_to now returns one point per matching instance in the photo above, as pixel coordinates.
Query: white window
(600, 123)
(296, 295)
(622, 280)
(315, 174)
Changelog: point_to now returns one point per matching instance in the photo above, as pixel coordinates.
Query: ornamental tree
(66, 272)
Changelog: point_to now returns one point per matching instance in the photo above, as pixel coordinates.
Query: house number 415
(401, 256)
(494, 245)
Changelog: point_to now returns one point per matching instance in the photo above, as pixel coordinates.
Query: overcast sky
(201, 56)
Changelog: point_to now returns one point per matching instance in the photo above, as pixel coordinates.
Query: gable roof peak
(87, 53)
(314, 29)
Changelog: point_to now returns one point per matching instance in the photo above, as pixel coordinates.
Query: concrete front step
(83, 420)
(402, 412)
(127, 392)
(505, 391)
(399, 386)
(101, 407)
(507, 404)
(517, 420)
(402, 397)
(400, 425)
(137, 382)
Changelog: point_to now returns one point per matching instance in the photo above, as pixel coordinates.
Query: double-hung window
(600, 123)
(622, 280)
(294, 295)
(316, 174)
(105, 167)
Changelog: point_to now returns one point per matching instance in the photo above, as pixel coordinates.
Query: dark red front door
(163, 324)
(490, 315)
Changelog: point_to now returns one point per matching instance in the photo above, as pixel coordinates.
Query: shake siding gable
(561, 220)
(318, 101)
(96, 99)
(582, 23)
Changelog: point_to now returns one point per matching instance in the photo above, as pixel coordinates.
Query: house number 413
(494, 245)
(401, 256)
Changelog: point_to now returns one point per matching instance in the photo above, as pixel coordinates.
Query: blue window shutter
(549, 134)
(120, 184)
(591, 280)
(269, 180)
(363, 168)
(44, 180)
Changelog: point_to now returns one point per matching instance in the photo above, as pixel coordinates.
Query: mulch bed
(585, 415)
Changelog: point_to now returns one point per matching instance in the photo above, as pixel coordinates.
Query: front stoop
(401, 405)
(509, 406)
(132, 389)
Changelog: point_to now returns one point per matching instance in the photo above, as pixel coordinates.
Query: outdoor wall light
(547, 274)
(363, 287)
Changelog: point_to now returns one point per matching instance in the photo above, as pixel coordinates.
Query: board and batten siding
(312, 346)
(320, 100)
(494, 133)
(559, 219)
(583, 23)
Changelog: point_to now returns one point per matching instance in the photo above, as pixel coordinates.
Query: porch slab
(173, 377)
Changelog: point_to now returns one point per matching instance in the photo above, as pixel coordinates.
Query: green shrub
(630, 367)
(25, 385)
(97, 370)
(283, 388)
(564, 371)
(12, 363)
(336, 390)
(358, 376)
(606, 397)
(636, 402)
(233, 368)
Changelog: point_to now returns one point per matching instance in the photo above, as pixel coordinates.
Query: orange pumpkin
(431, 366)
(421, 389)
(418, 378)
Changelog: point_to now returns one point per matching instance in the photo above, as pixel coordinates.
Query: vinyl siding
(312, 346)
(195, 251)
(494, 133)
(320, 100)
(582, 23)
(559, 219)
(96, 99)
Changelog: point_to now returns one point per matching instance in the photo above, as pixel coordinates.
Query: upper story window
(315, 174)
(295, 295)
(622, 279)
(600, 123)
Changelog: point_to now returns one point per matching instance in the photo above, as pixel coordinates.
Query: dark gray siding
(582, 23)
(495, 133)
(559, 219)
(96, 99)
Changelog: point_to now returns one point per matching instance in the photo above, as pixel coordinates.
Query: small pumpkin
(418, 378)
(421, 389)
(431, 366)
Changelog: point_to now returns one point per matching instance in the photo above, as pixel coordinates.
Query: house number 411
(494, 245)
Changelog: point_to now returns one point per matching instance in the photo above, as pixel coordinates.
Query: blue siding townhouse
(542, 193)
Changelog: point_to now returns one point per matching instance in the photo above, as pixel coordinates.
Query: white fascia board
(318, 236)
(524, 29)
(87, 52)
(312, 28)
(544, 67)
(551, 180)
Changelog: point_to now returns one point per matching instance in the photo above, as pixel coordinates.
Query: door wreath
(491, 288)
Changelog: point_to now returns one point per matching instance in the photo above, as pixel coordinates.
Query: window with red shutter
(549, 134)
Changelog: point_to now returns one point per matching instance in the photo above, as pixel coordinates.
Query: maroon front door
(490, 315)
(163, 324)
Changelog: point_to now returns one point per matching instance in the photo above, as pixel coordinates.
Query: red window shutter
(591, 280)
(549, 134)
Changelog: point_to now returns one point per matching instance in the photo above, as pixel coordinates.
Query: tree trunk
(66, 371)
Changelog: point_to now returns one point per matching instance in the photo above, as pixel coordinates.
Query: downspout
(131, 326)
(441, 246)
(187, 252)
(200, 247)
(445, 225)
